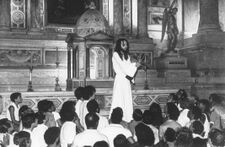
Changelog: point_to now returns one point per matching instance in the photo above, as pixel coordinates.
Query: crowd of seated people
(184, 121)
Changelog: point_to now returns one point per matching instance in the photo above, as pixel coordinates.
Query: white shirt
(67, 133)
(88, 138)
(38, 134)
(113, 130)
(103, 122)
(183, 119)
(77, 108)
(16, 111)
(83, 113)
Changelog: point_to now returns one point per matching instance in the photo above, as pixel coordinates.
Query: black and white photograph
(112, 73)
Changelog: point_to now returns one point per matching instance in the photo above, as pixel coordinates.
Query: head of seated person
(91, 120)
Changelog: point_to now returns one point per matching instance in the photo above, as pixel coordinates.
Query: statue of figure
(169, 23)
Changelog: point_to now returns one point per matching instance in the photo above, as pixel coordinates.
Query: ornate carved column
(74, 63)
(142, 19)
(118, 17)
(5, 15)
(69, 80)
(209, 19)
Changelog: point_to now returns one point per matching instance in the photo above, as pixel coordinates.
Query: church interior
(58, 71)
(48, 48)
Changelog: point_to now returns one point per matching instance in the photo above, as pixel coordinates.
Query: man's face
(124, 45)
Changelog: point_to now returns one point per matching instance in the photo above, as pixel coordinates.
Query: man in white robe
(124, 69)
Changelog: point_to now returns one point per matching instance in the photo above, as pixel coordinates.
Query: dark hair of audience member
(89, 92)
(197, 127)
(52, 106)
(206, 105)
(172, 111)
(217, 137)
(185, 104)
(145, 135)
(137, 115)
(181, 94)
(22, 139)
(40, 117)
(117, 115)
(215, 99)
(147, 118)
(4, 125)
(24, 110)
(196, 112)
(120, 141)
(14, 96)
(44, 106)
(91, 120)
(173, 98)
(156, 114)
(79, 92)
(184, 138)
(101, 144)
(51, 135)
(67, 112)
(28, 120)
(170, 135)
(92, 106)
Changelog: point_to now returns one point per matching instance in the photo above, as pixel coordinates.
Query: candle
(57, 54)
(30, 76)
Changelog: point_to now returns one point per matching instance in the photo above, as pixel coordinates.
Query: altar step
(142, 99)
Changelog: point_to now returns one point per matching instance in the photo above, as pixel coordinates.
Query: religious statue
(169, 25)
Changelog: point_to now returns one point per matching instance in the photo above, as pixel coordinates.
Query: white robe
(122, 94)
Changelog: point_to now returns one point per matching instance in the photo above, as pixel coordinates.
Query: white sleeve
(126, 67)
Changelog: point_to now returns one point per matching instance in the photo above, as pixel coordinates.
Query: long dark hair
(119, 49)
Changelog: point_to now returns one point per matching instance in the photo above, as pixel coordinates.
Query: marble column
(5, 15)
(87, 63)
(209, 19)
(118, 17)
(142, 19)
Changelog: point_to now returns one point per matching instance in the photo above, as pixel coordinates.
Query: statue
(169, 25)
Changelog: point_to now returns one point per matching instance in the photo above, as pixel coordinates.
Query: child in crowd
(13, 109)
(93, 107)
(29, 122)
(51, 137)
(70, 123)
(55, 114)
(137, 118)
(38, 132)
(6, 130)
(44, 106)
(89, 93)
(22, 139)
(79, 93)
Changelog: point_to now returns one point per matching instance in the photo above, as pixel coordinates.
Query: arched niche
(99, 62)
